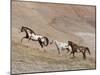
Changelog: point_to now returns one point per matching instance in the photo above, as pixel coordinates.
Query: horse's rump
(46, 42)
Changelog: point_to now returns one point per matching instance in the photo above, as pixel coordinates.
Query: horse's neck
(26, 32)
(30, 30)
(71, 45)
(56, 42)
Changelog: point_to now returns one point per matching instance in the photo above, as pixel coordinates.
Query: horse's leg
(40, 42)
(22, 39)
(67, 50)
(30, 38)
(41, 45)
(44, 49)
(87, 49)
(58, 49)
(84, 55)
(73, 52)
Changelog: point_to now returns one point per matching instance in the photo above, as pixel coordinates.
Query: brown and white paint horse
(31, 35)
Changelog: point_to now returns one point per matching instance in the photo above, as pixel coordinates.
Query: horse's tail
(88, 50)
(47, 41)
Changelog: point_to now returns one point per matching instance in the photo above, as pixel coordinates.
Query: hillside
(56, 21)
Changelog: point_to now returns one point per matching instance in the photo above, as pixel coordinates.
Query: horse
(31, 35)
(76, 48)
(60, 46)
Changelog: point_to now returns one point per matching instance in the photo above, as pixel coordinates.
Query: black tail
(47, 41)
(88, 50)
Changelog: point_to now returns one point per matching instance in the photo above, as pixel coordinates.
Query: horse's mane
(29, 29)
(72, 43)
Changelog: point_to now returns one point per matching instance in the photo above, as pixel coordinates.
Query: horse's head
(70, 42)
(22, 28)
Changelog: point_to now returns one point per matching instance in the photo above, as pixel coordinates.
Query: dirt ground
(56, 21)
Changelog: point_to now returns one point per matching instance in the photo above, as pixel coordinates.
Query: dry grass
(26, 59)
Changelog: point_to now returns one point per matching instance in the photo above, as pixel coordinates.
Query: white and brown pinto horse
(61, 46)
(31, 35)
